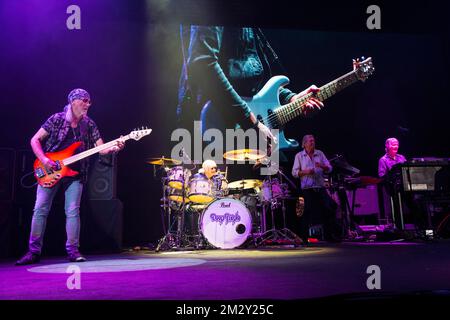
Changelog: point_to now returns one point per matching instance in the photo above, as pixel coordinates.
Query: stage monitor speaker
(102, 178)
(101, 226)
(366, 200)
(7, 170)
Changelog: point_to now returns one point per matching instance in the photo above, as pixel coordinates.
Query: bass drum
(226, 223)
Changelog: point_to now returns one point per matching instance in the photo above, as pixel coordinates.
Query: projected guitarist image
(223, 65)
(62, 135)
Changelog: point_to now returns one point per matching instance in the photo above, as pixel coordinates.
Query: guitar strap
(84, 131)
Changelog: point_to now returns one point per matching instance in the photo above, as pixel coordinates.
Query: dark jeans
(320, 208)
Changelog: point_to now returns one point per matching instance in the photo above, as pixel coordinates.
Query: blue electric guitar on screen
(266, 105)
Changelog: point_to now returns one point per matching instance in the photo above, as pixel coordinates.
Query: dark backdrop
(127, 55)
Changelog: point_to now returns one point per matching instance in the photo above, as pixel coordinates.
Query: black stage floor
(280, 273)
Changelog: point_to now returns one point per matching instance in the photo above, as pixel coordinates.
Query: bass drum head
(226, 223)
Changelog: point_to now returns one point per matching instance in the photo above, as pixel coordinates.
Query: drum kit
(200, 212)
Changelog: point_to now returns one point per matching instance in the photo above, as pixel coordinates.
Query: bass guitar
(49, 178)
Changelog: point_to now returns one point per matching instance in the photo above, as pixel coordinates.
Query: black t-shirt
(73, 135)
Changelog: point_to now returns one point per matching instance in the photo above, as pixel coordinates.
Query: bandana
(78, 94)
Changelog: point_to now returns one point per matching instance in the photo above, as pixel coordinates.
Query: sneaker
(28, 258)
(76, 257)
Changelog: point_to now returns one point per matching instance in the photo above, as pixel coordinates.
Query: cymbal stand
(172, 239)
(263, 219)
(168, 240)
(183, 237)
(273, 234)
(289, 234)
(165, 207)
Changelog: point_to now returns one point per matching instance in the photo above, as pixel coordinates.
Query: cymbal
(163, 161)
(245, 184)
(244, 154)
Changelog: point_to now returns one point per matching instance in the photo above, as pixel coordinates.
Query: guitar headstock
(136, 134)
(363, 68)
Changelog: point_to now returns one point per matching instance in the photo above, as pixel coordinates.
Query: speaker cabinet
(102, 178)
(7, 171)
(7, 231)
(366, 201)
(25, 184)
(101, 226)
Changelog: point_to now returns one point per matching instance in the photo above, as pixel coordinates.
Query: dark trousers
(320, 208)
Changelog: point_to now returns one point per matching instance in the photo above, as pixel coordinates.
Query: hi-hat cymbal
(245, 184)
(164, 161)
(244, 155)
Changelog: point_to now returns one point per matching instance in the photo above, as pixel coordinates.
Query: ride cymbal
(244, 155)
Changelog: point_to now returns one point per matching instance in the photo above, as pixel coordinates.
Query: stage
(276, 273)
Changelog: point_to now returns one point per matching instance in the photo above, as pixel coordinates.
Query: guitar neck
(294, 109)
(92, 151)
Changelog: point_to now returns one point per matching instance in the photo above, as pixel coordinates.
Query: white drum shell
(226, 223)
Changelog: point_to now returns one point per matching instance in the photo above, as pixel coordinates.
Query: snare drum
(226, 223)
(177, 177)
(200, 189)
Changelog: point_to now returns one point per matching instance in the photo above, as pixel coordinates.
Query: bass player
(60, 131)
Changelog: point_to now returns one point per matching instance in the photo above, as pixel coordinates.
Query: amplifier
(366, 200)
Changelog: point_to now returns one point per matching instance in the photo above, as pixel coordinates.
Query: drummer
(209, 168)
(218, 180)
